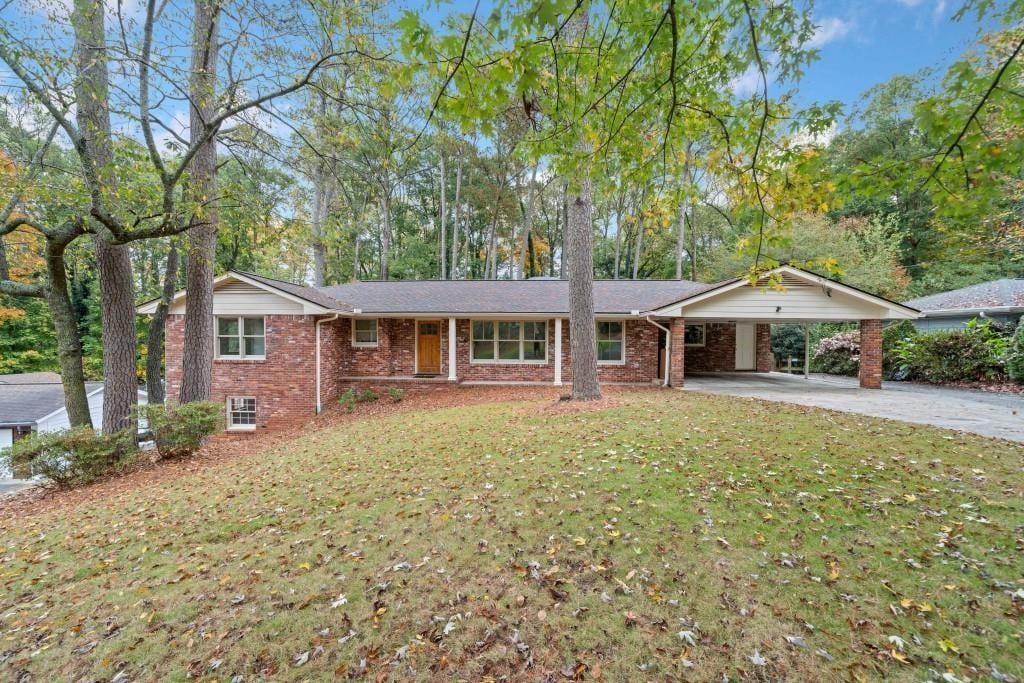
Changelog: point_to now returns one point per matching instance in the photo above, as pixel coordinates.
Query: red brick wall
(283, 383)
(395, 355)
(677, 364)
(718, 353)
(871, 354)
(765, 360)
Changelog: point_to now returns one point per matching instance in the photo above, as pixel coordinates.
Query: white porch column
(452, 355)
(558, 352)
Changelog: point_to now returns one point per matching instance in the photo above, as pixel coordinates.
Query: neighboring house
(1001, 301)
(283, 350)
(34, 402)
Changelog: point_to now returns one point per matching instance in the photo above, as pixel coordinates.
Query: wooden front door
(428, 347)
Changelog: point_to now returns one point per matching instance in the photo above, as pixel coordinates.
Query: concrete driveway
(988, 414)
(12, 485)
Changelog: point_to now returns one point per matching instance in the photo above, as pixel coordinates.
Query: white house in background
(34, 402)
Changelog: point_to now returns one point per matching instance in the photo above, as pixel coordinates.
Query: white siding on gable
(59, 420)
(241, 298)
(793, 302)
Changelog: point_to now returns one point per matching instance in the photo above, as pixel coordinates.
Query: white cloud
(828, 30)
(910, 3)
(747, 83)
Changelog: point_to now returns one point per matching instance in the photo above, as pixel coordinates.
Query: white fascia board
(308, 307)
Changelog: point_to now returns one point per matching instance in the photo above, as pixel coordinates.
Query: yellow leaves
(305, 566)
(899, 656)
(947, 646)
(909, 497)
(833, 571)
(579, 541)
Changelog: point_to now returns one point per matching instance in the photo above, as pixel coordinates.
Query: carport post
(807, 351)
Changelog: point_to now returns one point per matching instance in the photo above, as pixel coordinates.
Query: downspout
(318, 324)
(668, 348)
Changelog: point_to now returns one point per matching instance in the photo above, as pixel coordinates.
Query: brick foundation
(870, 354)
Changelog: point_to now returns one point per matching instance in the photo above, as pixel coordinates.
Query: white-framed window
(693, 334)
(241, 412)
(364, 332)
(611, 342)
(241, 337)
(509, 341)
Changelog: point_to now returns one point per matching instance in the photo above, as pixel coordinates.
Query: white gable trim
(308, 307)
(893, 310)
(89, 394)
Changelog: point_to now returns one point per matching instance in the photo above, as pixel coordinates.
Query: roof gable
(303, 300)
(800, 295)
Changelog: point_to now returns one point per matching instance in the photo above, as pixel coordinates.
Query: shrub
(838, 354)
(893, 367)
(974, 353)
(75, 456)
(396, 394)
(367, 395)
(179, 430)
(1015, 354)
(348, 400)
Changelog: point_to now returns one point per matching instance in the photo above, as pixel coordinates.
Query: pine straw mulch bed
(225, 448)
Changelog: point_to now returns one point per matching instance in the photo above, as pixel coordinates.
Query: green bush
(975, 353)
(348, 400)
(75, 456)
(367, 395)
(893, 335)
(1015, 353)
(179, 430)
(396, 394)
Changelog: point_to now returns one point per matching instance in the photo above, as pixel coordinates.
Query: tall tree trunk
(197, 354)
(113, 261)
(639, 248)
(442, 225)
(524, 237)
(69, 344)
(618, 234)
(565, 228)
(385, 238)
(684, 205)
(579, 241)
(455, 220)
(155, 340)
(582, 333)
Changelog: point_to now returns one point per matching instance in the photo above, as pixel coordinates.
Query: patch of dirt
(993, 387)
(225, 448)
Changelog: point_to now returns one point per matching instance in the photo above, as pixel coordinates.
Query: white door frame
(746, 356)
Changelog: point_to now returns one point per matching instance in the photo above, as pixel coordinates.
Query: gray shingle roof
(1007, 292)
(507, 296)
(28, 397)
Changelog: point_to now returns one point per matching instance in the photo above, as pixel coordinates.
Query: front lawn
(671, 536)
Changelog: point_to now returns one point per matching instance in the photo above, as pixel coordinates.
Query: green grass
(510, 540)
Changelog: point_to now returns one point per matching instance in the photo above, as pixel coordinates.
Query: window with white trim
(509, 341)
(611, 347)
(364, 332)
(693, 334)
(241, 337)
(241, 412)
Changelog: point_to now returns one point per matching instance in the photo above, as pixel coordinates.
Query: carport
(727, 328)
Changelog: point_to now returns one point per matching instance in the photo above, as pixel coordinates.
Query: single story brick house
(282, 350)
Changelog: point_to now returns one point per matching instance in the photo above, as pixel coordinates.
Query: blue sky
(864, 42)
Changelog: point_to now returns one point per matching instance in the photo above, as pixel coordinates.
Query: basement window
(241, 412)
(241, 337)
